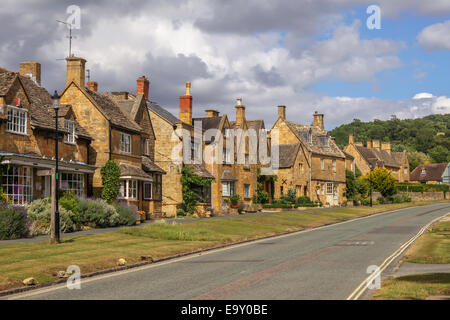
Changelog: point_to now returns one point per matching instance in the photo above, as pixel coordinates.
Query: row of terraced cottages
(141, 136)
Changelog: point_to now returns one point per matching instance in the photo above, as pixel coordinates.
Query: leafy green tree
(416, 158)
(381, 180)
(439, 154)
(350, 184)
(111, 181)
(192, 187)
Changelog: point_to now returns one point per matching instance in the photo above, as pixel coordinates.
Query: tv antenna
(70, 37)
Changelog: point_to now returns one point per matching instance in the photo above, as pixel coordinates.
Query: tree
(350, 185)
(439, 154)
(416, 158)
(111, 181)
(192, 189)
(381, 180)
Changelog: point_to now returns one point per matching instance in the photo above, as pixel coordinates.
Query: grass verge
(101, 251)
(431, 248)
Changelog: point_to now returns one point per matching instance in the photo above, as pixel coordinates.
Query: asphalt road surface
(324, 263)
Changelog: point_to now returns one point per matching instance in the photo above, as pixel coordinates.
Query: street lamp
(55, 236)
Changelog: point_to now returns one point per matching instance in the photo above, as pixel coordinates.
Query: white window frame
(329, 187)
(17, 184)
(247, 191)
(125, 146)
(227, 188)
(322, 164)
(333, 164)
(70, 126)
(72, 182)
(226, 159)
(17, 120)
(128, 189)
(144, 194)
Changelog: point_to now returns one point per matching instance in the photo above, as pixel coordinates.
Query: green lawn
(98, 252)
(431, 248)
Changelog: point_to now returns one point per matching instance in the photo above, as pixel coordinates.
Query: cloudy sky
(306, 54)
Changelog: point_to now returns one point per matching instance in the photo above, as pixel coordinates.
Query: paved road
(325, 263)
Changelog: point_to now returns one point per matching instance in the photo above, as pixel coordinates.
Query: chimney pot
(186, 105)
(142, 86)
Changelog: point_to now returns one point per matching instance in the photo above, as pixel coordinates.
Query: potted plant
(141, 216)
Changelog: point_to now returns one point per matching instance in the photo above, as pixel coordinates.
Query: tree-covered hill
(425, 139)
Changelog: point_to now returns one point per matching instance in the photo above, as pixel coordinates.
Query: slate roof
(41, 109)
(255, 124)
(127, 170)
(113, 111)
(288, 154)
(433, 172)
(317, 146)
(156, 108)
(380, 158)
(149, 166)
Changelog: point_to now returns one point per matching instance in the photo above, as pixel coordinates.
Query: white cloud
(423, 95)
(436, 36)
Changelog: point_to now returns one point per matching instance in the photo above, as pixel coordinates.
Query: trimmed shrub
(127, 214)
(291, 196)
(98, 214)
(111, 181)
(13, 222)
(304, 201)
(241, 207)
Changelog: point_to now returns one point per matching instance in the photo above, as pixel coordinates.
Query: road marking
(363, 286)
(191, 256)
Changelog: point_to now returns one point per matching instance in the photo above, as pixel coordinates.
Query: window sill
(70, 143)
(18, 133)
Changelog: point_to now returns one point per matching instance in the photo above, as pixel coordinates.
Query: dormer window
(424, 171)
(325, 141)
(17, 120)
(70, 127)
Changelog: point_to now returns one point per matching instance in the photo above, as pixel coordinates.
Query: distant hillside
(425, 139)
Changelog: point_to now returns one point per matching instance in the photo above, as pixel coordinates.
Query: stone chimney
(186, 105)
(282, 112)
(31, 69)
(76, 71)
(318, 120)
(376, 144)
(386, 146)
(240, 112)
(119, 95)
(369, 144)
(142, 86)
(212, 113)
(92, 85)
(351, 139)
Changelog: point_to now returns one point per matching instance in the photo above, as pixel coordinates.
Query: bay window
(18, 185)
(128, 189)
